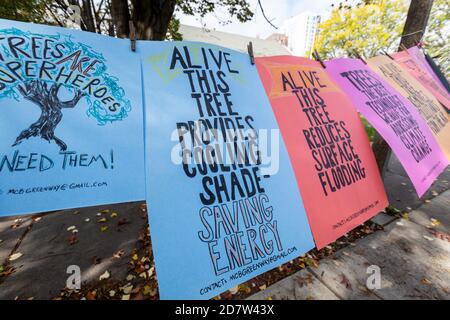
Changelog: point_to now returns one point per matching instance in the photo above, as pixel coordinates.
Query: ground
(410, 243)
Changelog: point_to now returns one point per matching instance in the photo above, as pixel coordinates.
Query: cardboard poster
(429, 108)
(72, 125)
(329, 149)
(223, 202)
(394, 117)
(418, 71)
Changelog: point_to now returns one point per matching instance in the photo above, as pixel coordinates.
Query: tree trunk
(415, 26)
(416, 22)
(121, 16)
(47, 100)
(87, 16)
(151, 18)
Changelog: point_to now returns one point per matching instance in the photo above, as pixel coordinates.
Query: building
(237, 42)
(299, 32)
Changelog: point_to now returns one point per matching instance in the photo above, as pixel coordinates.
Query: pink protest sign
(394, 117)
(416, 69)
(419, 57)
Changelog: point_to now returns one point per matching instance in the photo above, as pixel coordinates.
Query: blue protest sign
(223, 202)
(72, 123)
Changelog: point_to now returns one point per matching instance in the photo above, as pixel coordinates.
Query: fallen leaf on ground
(425, 281)
(435, 222)
(102, 220)
(71, 228)
(127, 289)
(118, 254)
(234, 290)
(114, 214)
(112, 293)
(263, 287)
(73, 238)
(126, 297)
(103, 229)
(91, 295)
(15, 256)
(123, 221)
(130, 277)
(346, 282)
(87, 220)
(104, 276)
(428, 238)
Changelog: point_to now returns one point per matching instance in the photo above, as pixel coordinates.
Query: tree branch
(264, 15)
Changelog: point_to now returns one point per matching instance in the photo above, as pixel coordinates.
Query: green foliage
(236, 8)
(369, 27)
(437, 34)
(369, 129)
(23, 10)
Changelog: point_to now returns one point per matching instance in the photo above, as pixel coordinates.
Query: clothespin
(388, 55)
(250, 52)
(317, 57)
(357, 55)
(132, 36)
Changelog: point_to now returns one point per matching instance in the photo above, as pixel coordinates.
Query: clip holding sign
(132, 36)
(250, 52)
(357, 55)
(317, 57)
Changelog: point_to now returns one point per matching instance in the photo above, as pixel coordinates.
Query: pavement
(413, 254)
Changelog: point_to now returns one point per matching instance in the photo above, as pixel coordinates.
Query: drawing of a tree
(47, 100)
(83, 73)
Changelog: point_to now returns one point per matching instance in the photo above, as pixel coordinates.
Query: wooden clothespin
(250, 52)
(317, 57)
(388, 55)
(357, 55)
(132, 36)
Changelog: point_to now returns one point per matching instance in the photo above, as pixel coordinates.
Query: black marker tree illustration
(45, 96)
(53, 72)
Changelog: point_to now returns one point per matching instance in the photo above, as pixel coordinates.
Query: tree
(46, 97)
(40, 76)
(369, 27)
(153, 19)
(436, 36)
(23, 10)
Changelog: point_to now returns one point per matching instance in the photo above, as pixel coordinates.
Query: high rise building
(300, 32)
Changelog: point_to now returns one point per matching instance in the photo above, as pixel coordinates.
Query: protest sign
(429, 108)
(417, 70)
(223, 203)
(394, 117)
(421, 58)
(71, 124)
(329, 149)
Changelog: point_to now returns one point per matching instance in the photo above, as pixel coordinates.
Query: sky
(276, 10)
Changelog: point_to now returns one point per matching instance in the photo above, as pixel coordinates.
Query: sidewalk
(112, 243)
(413, 253)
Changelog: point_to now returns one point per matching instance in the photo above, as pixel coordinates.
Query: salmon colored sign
(329, 150)
(419, 72)
(430, 109)
(394, 117)
(420, 57)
